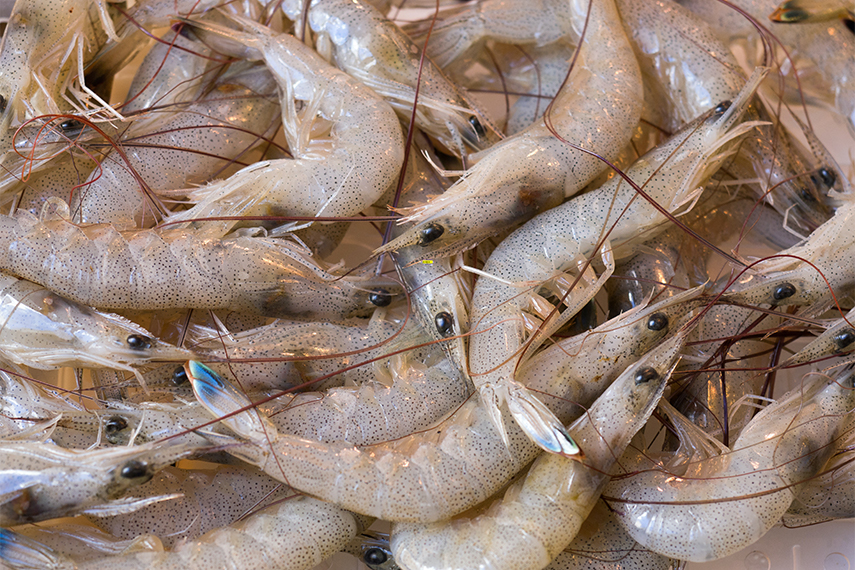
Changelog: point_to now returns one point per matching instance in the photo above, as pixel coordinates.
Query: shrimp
(830, 495)
(736, 497)
(340, 174)
(160, 155)
(210, 498)
(559, 238)
(43, 330)
(400, 481)
(296, 534)
(675, 49)
(99, 266)
(826, 45)
(42, 481)
(838, 338)
(45, 44)
(811, 273)
(533, 170)
(539, 516)
(437, 292)
(366, 45)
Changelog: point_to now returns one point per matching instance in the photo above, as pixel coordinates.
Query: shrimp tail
(23, 553)
(221, 398)
(540, 424)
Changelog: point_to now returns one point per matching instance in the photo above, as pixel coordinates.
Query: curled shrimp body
(369, 47)
(533, 170)
(339, 174)
(199, 139)
(784, 445)
(436, 474)
(558, 239)
(540, 515)
(41, 329)
(297, 534)
(42, 481)
(101, 267)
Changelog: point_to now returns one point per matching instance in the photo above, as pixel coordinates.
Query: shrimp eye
(430, 233)
(71, 125)
(722, 107)
(850, 24)
(645, 375)
(844, 338)
(135, 469)
(783, 291)
(115, 425)
(380, 298)
(179, 376)
(375, 556)
(139, 342)
(657, 322)
(476, 124)
(829, 177)
(444, 323)
(807, 195)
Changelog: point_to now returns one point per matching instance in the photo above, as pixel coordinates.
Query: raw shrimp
(159, 155)
(297, 534)
(830, 495)
(687, 69)
(438, 293)
(43, 330)
(339, 174)
(366, 45)
(533, 170)
(725, 503)
(45, 44)
(828, 47)
(567, 235)
(422, 391)
(811, 273)
(539, 516)
(839, 338)
(460, 462)
(99, 266)
(211, 498)
(42, 481)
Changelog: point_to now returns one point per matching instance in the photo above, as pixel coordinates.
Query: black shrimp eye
(115, 425)
(380, 298)
(657, 322)
(71, 125)
(645, 375)
(807, 195)
(722, 107)
(479, 128)
(375, 556)
(135, 469)
(850, 24)
(179, 376)
(444, 323)
(139, 342)
(784, 291)
(844, 338)
(430, 233)
(829, 177)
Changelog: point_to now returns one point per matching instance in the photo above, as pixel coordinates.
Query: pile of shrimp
(496, 284)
